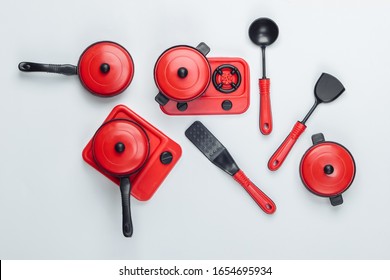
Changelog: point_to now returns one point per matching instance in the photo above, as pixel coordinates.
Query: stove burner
(226, 78)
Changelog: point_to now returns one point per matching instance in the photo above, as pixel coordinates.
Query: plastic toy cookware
(120, 147)
(133, 154)
(104, 68)
(182, 73)
(191, 84)
(264, 32)
(210, 146)
(327, 89)
(327, 169)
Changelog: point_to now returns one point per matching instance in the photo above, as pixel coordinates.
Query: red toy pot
(182, 73)
(327, 169)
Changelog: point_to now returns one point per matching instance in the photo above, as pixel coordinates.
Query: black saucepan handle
(65, 69)
(203, 48)
(127, 224)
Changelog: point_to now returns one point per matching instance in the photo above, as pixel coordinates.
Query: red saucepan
(327, 169)
(104, 68)
(120, 148)
(182, 73)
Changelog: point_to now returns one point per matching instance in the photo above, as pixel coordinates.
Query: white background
(55, 206)
(109, 269)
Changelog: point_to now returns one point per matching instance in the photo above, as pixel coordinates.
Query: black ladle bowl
(263, 32)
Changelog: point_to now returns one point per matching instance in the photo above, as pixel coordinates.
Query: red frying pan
(104, 68)
(120, 148)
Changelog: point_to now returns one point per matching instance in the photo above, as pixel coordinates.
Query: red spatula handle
(265, 107)
(281, 153)
(265, 203)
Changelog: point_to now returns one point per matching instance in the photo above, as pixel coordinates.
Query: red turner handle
(281, 153)
(265, 107)
(265, 203)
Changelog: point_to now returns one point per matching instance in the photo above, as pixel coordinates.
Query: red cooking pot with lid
(327, 169)
(104, 68)
(182, 73)
(120, 148)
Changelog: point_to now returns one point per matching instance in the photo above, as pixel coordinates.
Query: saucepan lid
(106, 68)
(120, 147)
(182, 73)
(327, 168)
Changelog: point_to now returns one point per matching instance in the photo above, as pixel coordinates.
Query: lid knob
(182, 72)
(105, 68)
(328, 169)
(120, 147)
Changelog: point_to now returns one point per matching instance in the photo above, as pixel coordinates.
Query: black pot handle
(65, 69)
(317, 138)
(203, 48)
(336, 200)
(127, 224)
(161, 99)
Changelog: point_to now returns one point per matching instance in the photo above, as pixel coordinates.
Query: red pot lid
(327, 169)
(106, 68)
(120, 147)
(182, 73)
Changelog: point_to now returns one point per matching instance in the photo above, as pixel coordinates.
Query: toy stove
(191, 84)
(163, 154)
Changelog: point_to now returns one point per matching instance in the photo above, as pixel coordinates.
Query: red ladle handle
(281, 153)
(265, 203)
(265, 106)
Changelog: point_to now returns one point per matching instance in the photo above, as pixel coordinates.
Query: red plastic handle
(265, 203)
(281, 153)
(265, 107)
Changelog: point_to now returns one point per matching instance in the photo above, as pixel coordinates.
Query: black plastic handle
(336, 200)
(65, 69)
(161, 99)
(127, 224)
(203, 48)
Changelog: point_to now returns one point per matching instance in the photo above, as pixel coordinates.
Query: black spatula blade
(209, 145)
(328, 88)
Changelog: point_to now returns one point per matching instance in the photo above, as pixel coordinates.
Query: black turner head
(328, 88)
(209, 145)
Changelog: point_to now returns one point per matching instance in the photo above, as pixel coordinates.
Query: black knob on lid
(120, 147)
(105, 68)
(182, 72)
(328, 169)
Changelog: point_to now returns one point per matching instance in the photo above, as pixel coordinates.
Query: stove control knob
(227, 105)
(166, 157)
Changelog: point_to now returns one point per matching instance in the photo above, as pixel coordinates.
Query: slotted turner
(209, 145)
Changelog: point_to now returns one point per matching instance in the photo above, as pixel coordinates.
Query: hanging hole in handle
(266, 126)
(23, 66)
(275, 163)
(127, 228)
(268, 206)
